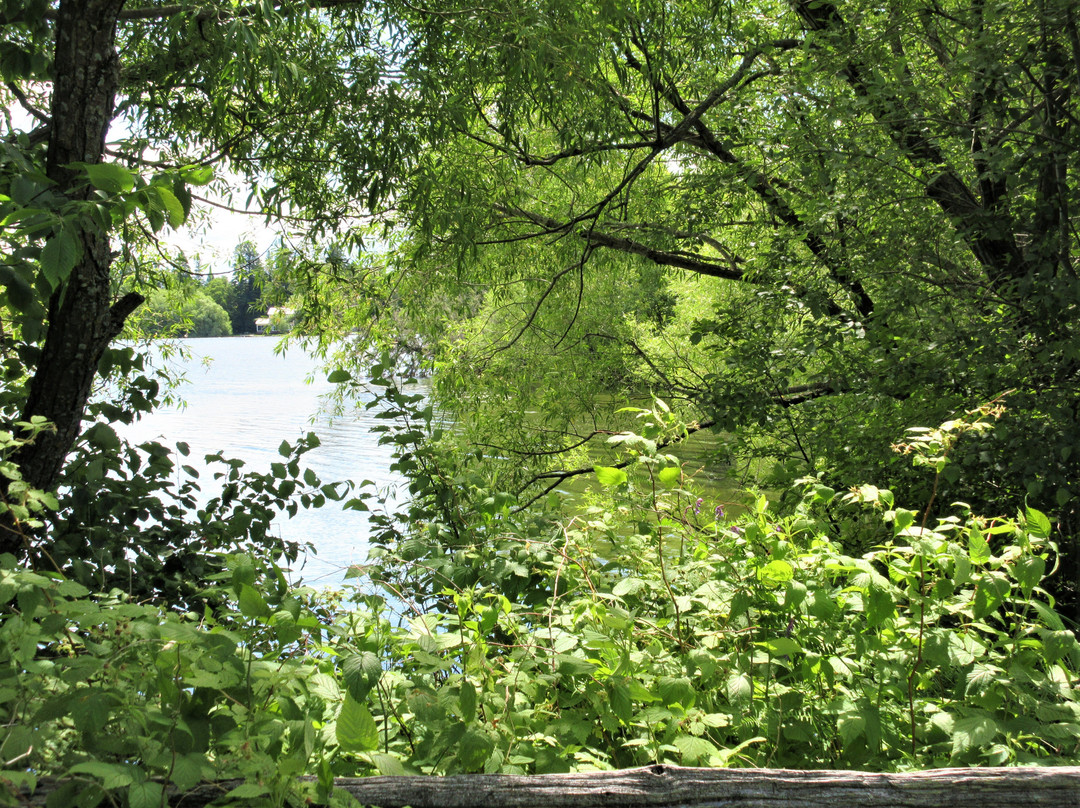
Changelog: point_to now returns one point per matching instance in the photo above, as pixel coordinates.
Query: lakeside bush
(648, 628)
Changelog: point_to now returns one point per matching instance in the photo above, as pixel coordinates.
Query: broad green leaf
(247, 791)
(610, 477)
(1037, 523)
(19, 293)
(103, 437)
(145, 795)
(878, 604)
(110, 178)
(851, 725)
(1029, 572)
(990, 594)
(189, 770)
(111, 775)
(199, 175)
(1058, 644)
(356, 729)
(361, 672)
(59, 256)
(628, 586)
(676, 690)
(978, 548)
(739, 688)
(339, 376)
(781, 646)
(776, 572)
(972, 732)
(571, 665)
(387, 765)
(252, 603)
(670, 476)
(467, 700)
(694, 750)
(638, 692)
(474, 749)
(172, 206)
(621, 705)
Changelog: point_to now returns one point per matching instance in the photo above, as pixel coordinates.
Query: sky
(214, 239)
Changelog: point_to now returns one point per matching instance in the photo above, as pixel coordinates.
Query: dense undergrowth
(647, 628)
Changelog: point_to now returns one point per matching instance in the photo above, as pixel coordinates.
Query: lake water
(243, 400)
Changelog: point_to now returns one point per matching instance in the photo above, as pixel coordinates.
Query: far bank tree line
(200, 301)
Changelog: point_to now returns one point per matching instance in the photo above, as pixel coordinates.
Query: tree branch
(598, 238)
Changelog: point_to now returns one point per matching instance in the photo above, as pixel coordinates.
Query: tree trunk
(82, 318)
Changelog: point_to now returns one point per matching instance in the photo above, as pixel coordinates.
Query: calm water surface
(242, 399)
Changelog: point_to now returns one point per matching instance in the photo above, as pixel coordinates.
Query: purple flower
(718, 514)
(697, 506)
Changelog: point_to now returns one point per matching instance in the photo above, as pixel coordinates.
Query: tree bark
(82, 319)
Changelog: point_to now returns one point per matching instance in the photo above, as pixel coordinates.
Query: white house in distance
(277, 319)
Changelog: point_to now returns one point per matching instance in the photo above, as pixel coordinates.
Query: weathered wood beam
(664, 786)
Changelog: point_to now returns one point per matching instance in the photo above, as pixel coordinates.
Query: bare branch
(599, 238)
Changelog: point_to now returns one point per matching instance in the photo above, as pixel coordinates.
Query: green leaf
(776, 572)
(610, 476)
(199, 175)
(991, 593)
(252, 604)
(676, 690)
(388, 765)
(103, 437)
(781, 646)
(694, 750)
(739, 688)
(356, 729)
(628, 586)
(621, 705)
(972, 732)
(1029, 572)
(467, 700)
(247, 791)
(850, 726)
(111, 775)
(58, 258)
(670, 476)
(1037, 523)
(570, 665)
(878, 604)
(145, 795)
(20, 295)
(1058, 644)
(189, 770)
(978, 548)
(474, 749)
(339, 376)
(361, 673)
(174, 210)
(110, 178)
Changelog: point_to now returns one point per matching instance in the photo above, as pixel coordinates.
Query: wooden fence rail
(675, 787)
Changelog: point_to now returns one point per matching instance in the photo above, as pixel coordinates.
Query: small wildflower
(718, 514)
(697, 506)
